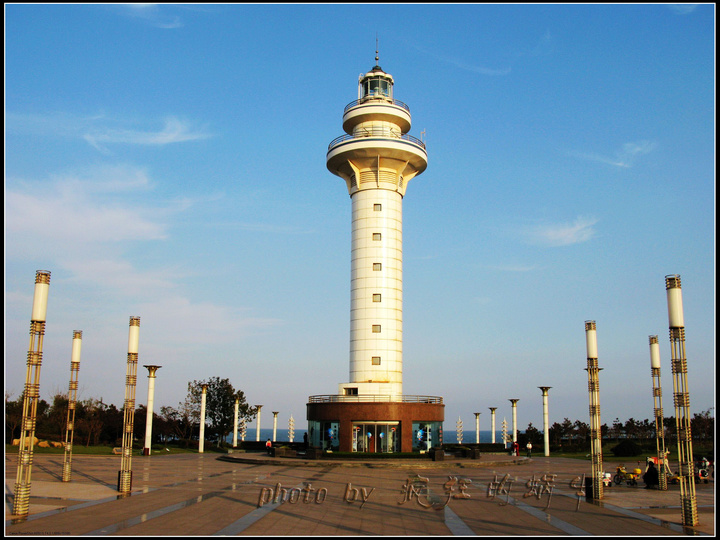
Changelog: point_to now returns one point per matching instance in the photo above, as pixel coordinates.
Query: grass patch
(108, 450)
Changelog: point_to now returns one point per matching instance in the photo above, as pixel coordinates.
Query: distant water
(282, 435)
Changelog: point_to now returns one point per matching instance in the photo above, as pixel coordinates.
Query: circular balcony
(369, 109)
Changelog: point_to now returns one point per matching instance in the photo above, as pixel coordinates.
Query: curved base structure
(364, 425)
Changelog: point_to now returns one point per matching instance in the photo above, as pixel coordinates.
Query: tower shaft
(376, 158)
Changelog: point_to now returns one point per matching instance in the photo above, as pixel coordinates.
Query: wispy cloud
(79, 212)
(625, 157)
(682, 9)
(153, 14)
(174, 131)
(462, 64)
(562, 234)
(101, 131)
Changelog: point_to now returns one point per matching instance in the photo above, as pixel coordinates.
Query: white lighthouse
(376, 158)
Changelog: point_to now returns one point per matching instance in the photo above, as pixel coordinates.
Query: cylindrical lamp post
(125, 472)
(595, 426)
(150, 403)
(235, 423)
(658, 411)
(291, 429)
(681, 400)
(72, 399)
(514, 419)
(201, 441)
(477, 427)
(21, 501)
(275, 413)
(257, 429)
(546, 419)
(492, 424)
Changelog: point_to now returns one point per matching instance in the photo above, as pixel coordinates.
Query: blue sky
(168, 162)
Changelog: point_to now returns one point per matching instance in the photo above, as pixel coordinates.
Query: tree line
(571, 435)
(98, 423)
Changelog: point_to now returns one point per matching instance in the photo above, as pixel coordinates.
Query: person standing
(529, 449)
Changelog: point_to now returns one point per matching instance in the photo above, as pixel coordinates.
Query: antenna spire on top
(377, 49)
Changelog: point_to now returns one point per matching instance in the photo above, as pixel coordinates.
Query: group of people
(516, 449)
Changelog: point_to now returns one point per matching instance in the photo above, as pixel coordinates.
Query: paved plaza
(251, 494)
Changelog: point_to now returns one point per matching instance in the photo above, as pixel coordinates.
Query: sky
(168, 162)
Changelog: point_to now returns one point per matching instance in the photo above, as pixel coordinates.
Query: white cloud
(682, 9)
(475, 68)
(563, 234)
(625, 157)
(101, 130)
(174, 131)
(153, 14)
(76, 213)
(180, 321)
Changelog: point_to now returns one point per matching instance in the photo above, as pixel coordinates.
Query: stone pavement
(255, 495)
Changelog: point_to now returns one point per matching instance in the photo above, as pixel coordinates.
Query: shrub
(627, 448)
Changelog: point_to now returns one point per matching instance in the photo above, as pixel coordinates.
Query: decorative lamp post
(275, 413)
(125, 472)
(459, 426)
(514, 419)
(31, 394)
(291, 429)
(72, 399)
(201, 441)
(492, 424)
(477, 427)
(243, 428)
(681, 400)
(257, 429)
(546, 419)
(594, 391)
(658, 411)
(235, 423)
(150, 403)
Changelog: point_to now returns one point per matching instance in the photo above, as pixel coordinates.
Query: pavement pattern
(257, 495)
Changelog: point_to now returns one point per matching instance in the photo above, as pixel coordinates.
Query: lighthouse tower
(377, 158)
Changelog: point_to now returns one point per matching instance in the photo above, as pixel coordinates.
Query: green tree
(13, 417)
(219, 405)
(582, 430)
(702, 426)
(533, 435)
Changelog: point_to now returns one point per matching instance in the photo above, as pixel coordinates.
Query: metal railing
(383, 134)
(360, 101)
(373, 398)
